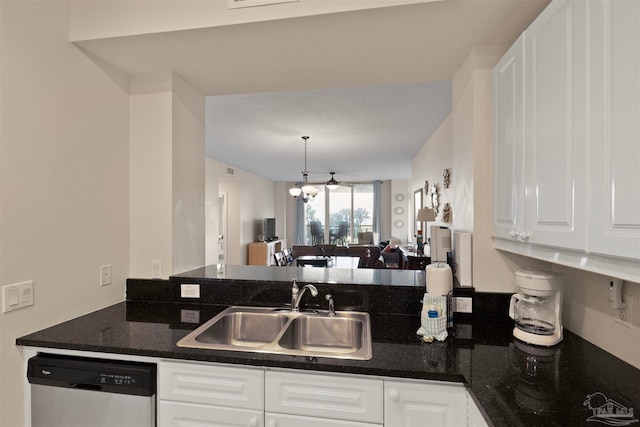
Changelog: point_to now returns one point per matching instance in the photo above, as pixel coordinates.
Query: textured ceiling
(359, 133)
(361, 81)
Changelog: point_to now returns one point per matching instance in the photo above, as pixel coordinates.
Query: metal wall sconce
(446, 212)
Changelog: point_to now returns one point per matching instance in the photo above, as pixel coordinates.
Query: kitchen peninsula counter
(514, 384)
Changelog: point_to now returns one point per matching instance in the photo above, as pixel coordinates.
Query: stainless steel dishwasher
(73, 391)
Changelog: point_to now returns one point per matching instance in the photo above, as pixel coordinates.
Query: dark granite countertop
(364, 276)
(515, 384)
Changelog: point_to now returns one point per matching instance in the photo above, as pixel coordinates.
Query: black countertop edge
(250, 359)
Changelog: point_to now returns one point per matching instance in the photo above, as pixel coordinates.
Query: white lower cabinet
(476, 419)
(326, 400)
(180, 414)
(199, 394)
(283, 420)
(202, 394)
(414, 404)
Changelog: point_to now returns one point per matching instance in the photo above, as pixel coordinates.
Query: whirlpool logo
(608, 411)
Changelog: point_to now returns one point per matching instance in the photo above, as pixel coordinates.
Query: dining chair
(288, 256)
(317, 234)
(343, 231)
(280, 261)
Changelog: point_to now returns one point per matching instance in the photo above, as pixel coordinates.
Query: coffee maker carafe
(537, 309)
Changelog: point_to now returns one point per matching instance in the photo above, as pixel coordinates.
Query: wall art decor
(446, 212)
(432, 197)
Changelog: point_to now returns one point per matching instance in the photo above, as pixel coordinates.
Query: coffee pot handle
(512, 306)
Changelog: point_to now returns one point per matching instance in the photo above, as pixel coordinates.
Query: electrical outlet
(105, 275)
(190, 316)
(624, 315)
(463, 305)
(189, 291)
(157, 269)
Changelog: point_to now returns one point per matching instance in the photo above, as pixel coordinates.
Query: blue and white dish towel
(433, 325)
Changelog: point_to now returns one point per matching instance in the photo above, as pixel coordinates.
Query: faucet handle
(332, 308)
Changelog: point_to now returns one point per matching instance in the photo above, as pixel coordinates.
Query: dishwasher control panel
(93, 374)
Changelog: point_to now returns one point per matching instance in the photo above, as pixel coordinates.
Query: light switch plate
(16, 296)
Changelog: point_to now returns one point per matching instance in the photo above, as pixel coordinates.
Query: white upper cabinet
(508, 116)
(567, 138)
(615, 128)
(555, 127)
(540, 132)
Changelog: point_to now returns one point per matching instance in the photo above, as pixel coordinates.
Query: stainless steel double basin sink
(345, 335)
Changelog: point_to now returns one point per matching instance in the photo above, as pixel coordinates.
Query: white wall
(167, 175)
(64, 177)
(257, 203)
(472, 174)
(586, 312)
(250, 199)
(280, 196)
(150, 142)
(188, 177)
(402, 187)
(429, 165)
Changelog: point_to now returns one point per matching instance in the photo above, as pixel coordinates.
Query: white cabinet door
(281, 420)
(556, 126)
(508, 116)
(615, 128)
(211, 384)
(416, 405)
(476, 419)
(325, 396)
(180, 414)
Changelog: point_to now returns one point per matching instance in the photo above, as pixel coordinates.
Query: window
(314, 218)
(349, 210)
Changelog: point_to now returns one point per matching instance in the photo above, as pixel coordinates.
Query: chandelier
(307, 192)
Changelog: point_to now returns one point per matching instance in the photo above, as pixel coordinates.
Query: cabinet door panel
(174, 414)
(413, 405)
(476, 419)
(615, 122)
(555, 131)
(352, 399)
(210, 384)
(281, 420)
(508, 105)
